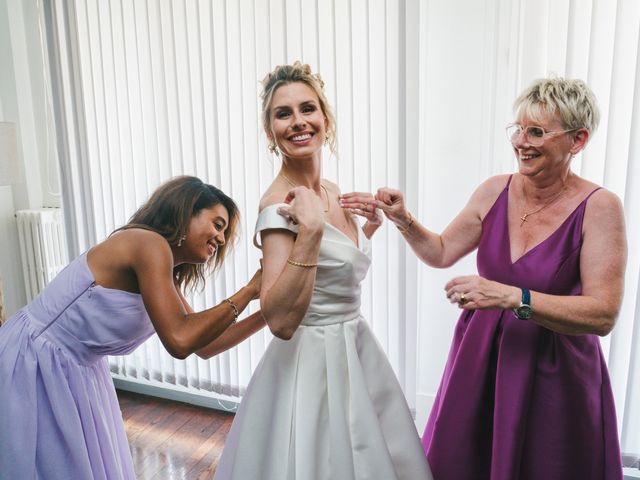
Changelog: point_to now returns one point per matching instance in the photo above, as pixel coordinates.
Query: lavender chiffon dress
(59, 415)
(518, 401)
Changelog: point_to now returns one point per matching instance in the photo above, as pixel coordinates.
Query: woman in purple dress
(59, 415)
(525, 393)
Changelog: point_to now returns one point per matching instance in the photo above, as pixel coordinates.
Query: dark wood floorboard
(172, 440)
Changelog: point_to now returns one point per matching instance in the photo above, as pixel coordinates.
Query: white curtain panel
(149, 89)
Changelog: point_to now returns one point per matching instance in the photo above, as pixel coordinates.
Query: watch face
(524, 312)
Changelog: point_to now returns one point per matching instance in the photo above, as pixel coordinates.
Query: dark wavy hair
(169, 211)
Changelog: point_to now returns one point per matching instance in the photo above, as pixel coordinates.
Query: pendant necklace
(526, 215)
(321, 186)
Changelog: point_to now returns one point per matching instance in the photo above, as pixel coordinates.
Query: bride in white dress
(324, 402)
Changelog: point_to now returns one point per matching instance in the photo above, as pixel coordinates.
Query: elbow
(444, 263)
(283, 333)
(443, 260)
(606, 326)
(179, 354)
(281, 328)
(177, 348)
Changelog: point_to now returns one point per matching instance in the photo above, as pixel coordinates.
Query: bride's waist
(330, 312)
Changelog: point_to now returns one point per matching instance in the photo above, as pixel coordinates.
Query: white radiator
(43, 247)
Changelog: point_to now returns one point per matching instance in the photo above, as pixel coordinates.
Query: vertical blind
(149, 89)
(153, 89)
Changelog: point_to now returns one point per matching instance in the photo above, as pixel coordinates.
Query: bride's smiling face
(298, 125)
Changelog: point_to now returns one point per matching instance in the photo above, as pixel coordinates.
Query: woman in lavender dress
(59, 415)
(525, 392)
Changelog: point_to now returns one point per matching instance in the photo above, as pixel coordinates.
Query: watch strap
(526, 296)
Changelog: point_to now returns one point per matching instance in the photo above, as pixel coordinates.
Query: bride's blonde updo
(298, 72)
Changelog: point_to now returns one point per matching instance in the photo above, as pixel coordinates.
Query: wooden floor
(171, 440)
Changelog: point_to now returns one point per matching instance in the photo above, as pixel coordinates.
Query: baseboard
(177, 394)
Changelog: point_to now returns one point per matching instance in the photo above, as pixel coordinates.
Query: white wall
(23, 102)
(457, 62)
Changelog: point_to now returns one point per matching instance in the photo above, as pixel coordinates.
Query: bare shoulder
(141, 237)
(272, 196)
(114, 261)
(330, 186)
(486, 194)
(134, 243)
(492, 186)
(603, 206)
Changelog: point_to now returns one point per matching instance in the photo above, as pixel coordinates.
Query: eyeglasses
(533, 134)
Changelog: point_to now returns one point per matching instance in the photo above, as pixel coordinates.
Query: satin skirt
(324, 405)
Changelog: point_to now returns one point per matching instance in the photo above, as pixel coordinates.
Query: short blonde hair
(571, 99)
(297, 72)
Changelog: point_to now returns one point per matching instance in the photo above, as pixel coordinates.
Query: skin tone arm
(287, 289)
(237, 332)
(181, 332)
(602, 266)
(461, 236)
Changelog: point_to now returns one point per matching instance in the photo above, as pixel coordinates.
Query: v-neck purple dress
(59, 415)
(516, 400)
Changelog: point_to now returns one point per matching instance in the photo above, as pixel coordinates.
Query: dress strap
(509, 182)
(591, 193)
(270, 219)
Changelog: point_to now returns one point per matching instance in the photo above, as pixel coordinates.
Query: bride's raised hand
(304, 209)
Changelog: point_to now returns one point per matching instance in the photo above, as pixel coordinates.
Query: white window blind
(153, 89)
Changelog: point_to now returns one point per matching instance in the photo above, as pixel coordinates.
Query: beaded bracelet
(299, 264)
(234, 307)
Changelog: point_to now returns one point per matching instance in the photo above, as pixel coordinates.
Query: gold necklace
(526, 215)
(321, 186)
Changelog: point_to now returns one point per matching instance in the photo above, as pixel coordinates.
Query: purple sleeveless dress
(516, 400)
(59, 415)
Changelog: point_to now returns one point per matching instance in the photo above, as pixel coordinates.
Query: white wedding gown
(326, 404)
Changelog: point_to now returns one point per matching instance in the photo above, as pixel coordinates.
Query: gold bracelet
(406, 229)
(299, 264)
(234, 307)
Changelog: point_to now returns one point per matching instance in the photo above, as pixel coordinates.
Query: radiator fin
(43, 247)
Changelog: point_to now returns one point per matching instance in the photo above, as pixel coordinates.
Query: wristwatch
(524, 311)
